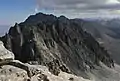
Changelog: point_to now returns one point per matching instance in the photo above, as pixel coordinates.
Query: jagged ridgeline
(55, 41)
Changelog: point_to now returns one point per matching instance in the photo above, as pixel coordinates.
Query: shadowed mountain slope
(106, 32)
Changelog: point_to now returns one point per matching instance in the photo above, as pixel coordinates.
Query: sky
(12, 11)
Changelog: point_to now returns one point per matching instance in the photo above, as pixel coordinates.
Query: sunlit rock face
(5, 54)
(11, 73)
(56, 42)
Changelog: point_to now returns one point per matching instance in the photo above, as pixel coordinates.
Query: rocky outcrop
(55, 67)
(13, 70)
(7, 58)
(5, 54)
(45, 38)
(11, 73)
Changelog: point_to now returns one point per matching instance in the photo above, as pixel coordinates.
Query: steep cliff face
(56, 42)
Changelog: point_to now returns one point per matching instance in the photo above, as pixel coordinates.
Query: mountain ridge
(56, 42)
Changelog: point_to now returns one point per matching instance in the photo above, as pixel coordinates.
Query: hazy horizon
(4, 29)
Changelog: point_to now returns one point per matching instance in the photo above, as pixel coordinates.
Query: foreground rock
(5, 54)
(11, 73)
(13, 70)
(7, 58)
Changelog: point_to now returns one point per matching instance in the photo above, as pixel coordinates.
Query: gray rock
(5, 54)
(46, 37)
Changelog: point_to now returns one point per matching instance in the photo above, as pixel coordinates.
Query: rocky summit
(62, 47)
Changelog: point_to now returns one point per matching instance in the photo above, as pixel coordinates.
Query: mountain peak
(40, 17)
